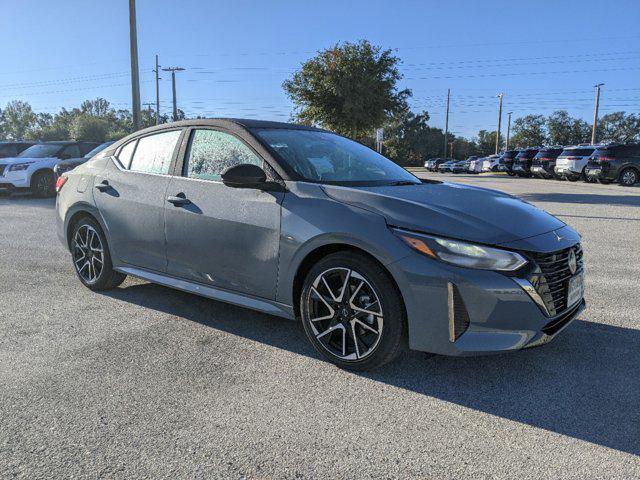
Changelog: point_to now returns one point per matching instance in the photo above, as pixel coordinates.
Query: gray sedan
(302, 223)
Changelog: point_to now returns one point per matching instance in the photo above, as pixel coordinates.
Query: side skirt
(260, 304)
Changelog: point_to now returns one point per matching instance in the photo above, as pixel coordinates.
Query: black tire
(43, 183)
(107, 278)
(392, 332)
(628, 177)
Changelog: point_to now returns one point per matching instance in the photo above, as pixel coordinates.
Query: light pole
(157, 71)
(595, 114)
(135, 76)
(173, 71)
(446, 123)
(508, 130)
(500, 95)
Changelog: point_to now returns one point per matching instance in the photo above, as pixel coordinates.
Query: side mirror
(248, 175)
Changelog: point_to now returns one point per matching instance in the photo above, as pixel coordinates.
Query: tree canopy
(350, 89)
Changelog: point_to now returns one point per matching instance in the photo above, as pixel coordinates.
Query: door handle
(103, 186)
(179, 200)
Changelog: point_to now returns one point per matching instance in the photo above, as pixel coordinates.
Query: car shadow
(582, 198)
(585, 384)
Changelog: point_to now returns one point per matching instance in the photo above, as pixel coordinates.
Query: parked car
(33, 167)
(236, 210)
(544, 162)
(506, 161)
(475, 166)
(572, 162)
(461, 166)
(446, 167)
(66, 165)
(13, 149)
(615, 162)
(522, 162)
(491, 163)
(434, 163)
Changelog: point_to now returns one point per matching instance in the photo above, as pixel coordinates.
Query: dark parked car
(544, 162)
(13, 149)
(66, 165)
(615, 162)
(506, 161)
(301, 223)
(522, 162)
(460, 166)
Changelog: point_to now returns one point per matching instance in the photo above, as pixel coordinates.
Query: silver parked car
(301, 223)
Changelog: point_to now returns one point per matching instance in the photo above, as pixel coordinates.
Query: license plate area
(575, 290)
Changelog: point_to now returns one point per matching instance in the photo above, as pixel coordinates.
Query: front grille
(551, 275)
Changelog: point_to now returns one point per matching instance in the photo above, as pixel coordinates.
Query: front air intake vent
(458, 315)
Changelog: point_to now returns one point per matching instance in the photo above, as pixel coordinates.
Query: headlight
(462, 254)
(19, 166)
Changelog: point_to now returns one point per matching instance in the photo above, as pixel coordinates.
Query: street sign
(379, 135)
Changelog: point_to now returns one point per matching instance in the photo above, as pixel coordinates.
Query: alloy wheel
(629, 177)
(88, 253)
(44, 184)
(345, 314)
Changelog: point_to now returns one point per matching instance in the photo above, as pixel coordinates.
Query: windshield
(41, 150)
(98, 149)
(324, 157)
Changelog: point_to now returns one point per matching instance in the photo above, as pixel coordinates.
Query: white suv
(33, 167)
(490, 163)
(571, 163)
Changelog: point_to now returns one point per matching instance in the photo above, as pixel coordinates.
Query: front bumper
(501, 315)
(18, 179)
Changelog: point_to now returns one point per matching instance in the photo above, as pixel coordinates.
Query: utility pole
(157, 71)
(149, 104)
(595, 114)
(446, 123)
(135, 74)
(499, 123)
(173, 71)
(508, 130)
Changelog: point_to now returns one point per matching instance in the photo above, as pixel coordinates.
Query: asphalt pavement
(148, 382)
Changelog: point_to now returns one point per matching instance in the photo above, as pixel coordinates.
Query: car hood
(451, 210)
(12, 160)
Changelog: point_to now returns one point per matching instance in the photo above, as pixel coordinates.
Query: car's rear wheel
(91, 257)
(628, 177)
(43, 183)
(352, 312)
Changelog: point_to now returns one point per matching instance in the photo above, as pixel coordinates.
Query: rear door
(224, 237)
(130, 195)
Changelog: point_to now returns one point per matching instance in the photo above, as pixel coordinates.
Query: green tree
(18, 120)
(350, 89)
(411, 141)
(89, 128)
(529, 131)
(618, 127)
(486, 143)
(565, 130)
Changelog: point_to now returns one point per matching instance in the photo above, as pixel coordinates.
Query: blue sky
(545, 55)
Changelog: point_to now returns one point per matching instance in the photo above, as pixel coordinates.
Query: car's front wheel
(43, 183)
(91, 257)
(352, 312)
(628, 177)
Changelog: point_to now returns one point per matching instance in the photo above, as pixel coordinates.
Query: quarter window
(154, 153)
(212, 152)
(126, 153)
